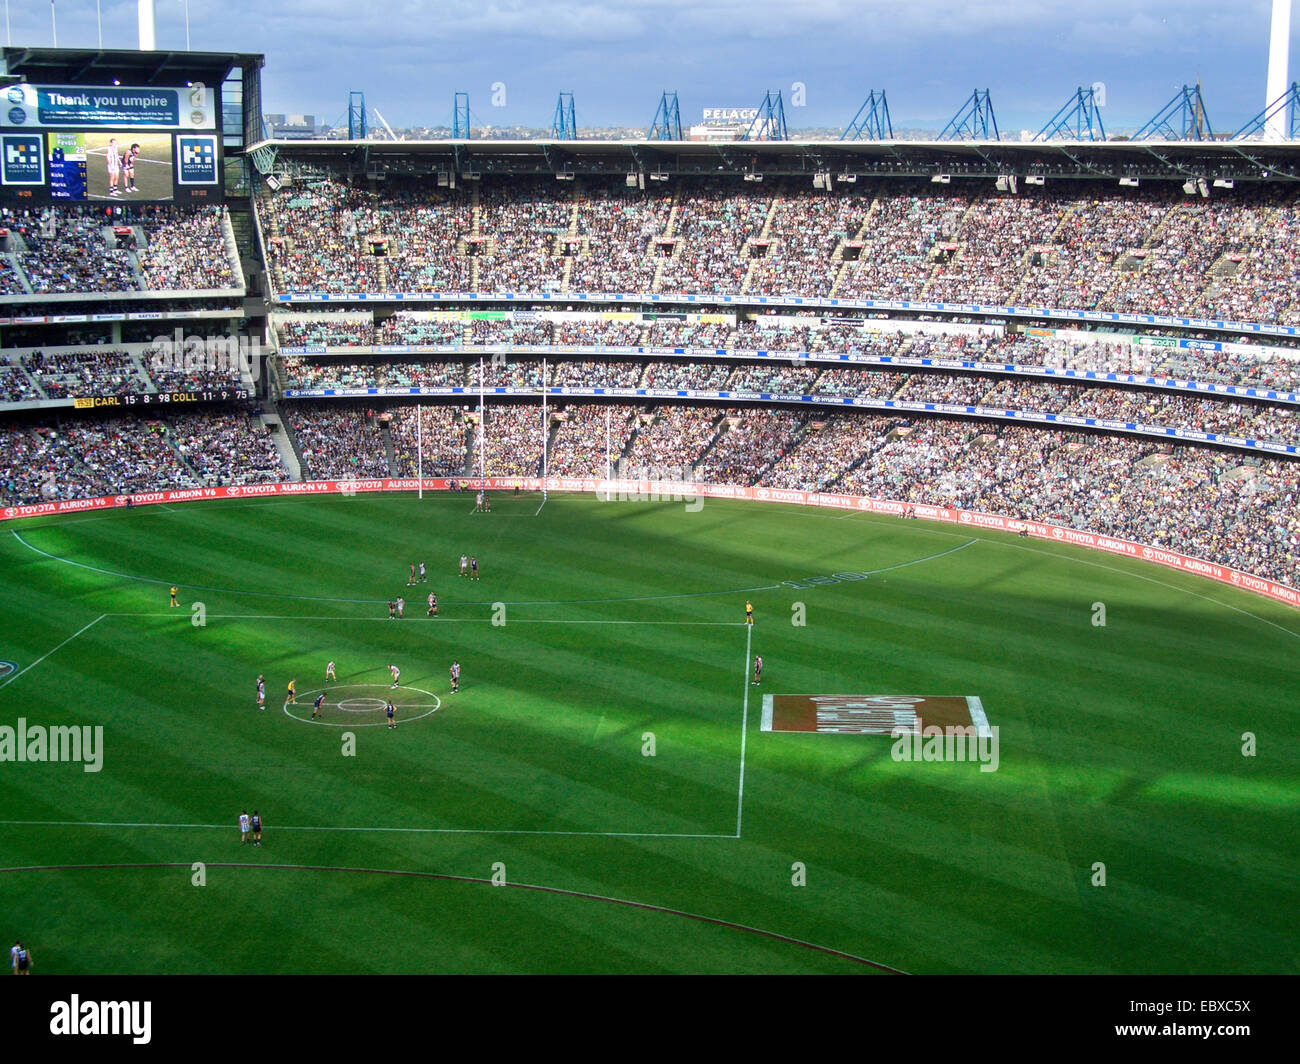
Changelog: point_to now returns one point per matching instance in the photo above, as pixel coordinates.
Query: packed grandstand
(559, 345)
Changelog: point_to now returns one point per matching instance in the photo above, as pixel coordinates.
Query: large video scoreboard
(109, 144)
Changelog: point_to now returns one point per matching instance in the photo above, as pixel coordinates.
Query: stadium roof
(99, 66)
(1247, 160)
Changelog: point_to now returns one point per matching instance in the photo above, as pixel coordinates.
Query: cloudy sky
(410, 56)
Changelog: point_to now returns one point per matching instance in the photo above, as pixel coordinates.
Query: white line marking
(744, 730)
(543, 503)
(57, 648)
(978, 717)
(918, 561)
(413, 831)
(767, 714)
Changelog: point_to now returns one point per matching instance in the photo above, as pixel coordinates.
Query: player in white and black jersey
(113, 159)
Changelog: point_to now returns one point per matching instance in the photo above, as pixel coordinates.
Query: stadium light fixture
(753, 177)
(1189, 187)
(1035, 179)
(941, 179)
(847, 178)
(1128, 182)
(1223, 182)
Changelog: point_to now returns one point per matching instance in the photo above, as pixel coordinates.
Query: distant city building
(294, 127)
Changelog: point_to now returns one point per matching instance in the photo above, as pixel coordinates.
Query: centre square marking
(872, 714)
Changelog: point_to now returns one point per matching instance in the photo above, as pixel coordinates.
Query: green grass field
(623, 627)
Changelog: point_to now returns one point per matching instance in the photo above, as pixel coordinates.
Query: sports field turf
(624, 627)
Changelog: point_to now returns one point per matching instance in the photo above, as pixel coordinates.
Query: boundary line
(57, 648)
(449, 878)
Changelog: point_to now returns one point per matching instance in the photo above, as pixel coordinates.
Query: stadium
(852, 556)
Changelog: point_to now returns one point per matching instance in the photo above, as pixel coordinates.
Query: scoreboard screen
(111, 145)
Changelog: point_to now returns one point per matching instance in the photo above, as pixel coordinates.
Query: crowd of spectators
(903, 234)
(596, 374)
(73, 255)
(16, 386)
(40, 464)
(672, 440)
(185, 248)
(712, 229)
(511, 440)
(589, 440)
(74, 458)
(330, 330)
(1242, 511)
(407, 327)
(828, 447)
(1209, 504)
(76, 248)
(707, 375)
(1148, 250)
(805, 229)
(520, 221)
(752, 441)
(98, 371)
(617, 227)
(440, 436)
(227, 449)
(304, 374)
(335, 443)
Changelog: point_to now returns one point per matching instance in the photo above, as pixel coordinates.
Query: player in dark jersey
(758, 671)
(128, 167)
(315, 709)
(473, 568)
(411, 581)
(256, 825)
(391, 711)
(455, 677)
(392, 610)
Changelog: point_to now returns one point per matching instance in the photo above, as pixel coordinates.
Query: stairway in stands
(386, 434)
(763, 234)
(476, 229)
(668, 231)
(572, 233)
(843, 268)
